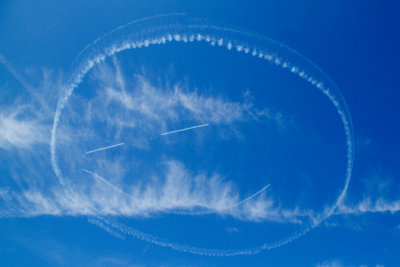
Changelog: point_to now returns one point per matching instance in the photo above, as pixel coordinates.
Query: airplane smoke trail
(126, 230)
(104, 148)
(107, 182)
(225, 208)
(101, 225)
(127, 37)
(248, 198)
(123, 229)
(185, 129)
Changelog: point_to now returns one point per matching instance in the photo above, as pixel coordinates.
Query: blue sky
(199, 139)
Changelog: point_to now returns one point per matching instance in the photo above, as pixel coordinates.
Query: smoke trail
(107, 183)
(250, 197)
(123, 229)
(226, 208)
(126, 230)
(101, 225)
(104, 148)
(160, 30)
(185, 129)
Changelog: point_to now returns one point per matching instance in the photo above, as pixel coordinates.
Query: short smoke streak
(104, 148)
(185, 129)
(250, 197)
(226, 208)
(107, 183)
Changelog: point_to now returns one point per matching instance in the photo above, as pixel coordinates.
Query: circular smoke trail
(178, 28)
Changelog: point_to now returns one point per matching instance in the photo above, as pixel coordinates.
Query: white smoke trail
(103, 148)
(101, 225)
(185, 129)
(126, 230)
(107, 183)
(220, 210)
(249, 198)
(139, 34)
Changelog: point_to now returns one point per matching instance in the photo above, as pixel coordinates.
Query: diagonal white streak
(100, 224)
(226, 208)
(104, 148)
(250, 197)
(186, 129)
(108, 183)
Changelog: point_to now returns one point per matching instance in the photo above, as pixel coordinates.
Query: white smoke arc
(241, 202)
(160, 30)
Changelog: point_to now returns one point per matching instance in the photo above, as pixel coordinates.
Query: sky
(175, 133)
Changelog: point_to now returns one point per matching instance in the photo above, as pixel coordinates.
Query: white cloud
(26, 117)
(334, 263)
(19, 132)
(379, 195)
(158, 104)
(338, 263)
(367, 205)
(177, 191)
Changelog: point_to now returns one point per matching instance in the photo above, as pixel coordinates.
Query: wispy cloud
(379, 194)
(162, 103)
(368, 205)
(332, 263)
(339, 263)
(17, 131)
(25, 119)
(178, 190)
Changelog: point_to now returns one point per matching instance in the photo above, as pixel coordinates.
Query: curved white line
(225, 208)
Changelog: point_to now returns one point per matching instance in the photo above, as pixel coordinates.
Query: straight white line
(104, 148)
(107, 182)
(185, 129)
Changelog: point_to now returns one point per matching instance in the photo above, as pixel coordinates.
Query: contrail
(185, 129)
(107, 183)
(226, 208)
(128, 231)
(99, 224)
(104, 148)
(248, 198)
